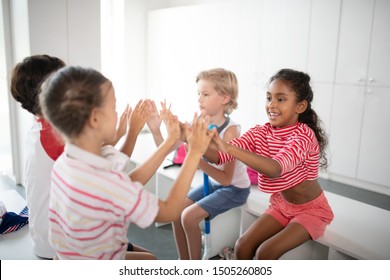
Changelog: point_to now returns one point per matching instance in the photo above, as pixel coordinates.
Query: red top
(294, 147)
(50, 140)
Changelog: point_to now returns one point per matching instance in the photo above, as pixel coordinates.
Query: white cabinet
(284, 35)
(354, 41)
(322, 55)
(364, 44)
(323, 36)
(346, 121)
(374, 152)
(360, 118)
(379, 63)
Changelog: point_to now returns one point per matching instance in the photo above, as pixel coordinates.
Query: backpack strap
(224, 125)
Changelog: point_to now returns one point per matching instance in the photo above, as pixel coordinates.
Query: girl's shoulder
(304, 129)
(261, 128)
(304, 133)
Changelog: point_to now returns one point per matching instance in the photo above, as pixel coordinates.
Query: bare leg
(290, 237)
(137, 248)
(191, 217)
(139, 256)
(180, 236)
(263, 228)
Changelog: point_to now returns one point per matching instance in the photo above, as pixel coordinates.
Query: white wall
(69, 29)
(21, 119)
(6, 159)
(342, 44)
(135, 51)
(167, 42)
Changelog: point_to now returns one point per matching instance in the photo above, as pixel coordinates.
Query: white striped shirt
(92, 205)
(294, 147)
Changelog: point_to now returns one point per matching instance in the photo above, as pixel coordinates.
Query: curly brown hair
(300, 84)
(27, 77)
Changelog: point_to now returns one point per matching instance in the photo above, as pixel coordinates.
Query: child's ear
(93, 120)
(302, 107)
(226, 99)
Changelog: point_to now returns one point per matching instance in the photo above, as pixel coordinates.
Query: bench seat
(358, 231)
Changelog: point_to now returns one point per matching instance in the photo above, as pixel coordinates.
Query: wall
(6, 160)
(167, 42)
(337, 42)
(59, 28)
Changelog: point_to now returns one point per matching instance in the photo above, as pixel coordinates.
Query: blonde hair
(225, 83)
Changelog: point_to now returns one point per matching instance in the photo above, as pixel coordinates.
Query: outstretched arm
(225, 175)
(198, 139)
(145, 171)
(136, 121)
(122, 126)
(154, 123)
(211, 153)
(261, 164)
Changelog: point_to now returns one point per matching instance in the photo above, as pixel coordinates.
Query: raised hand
(182, 125)
(154, 119)
(172, 124)
(219, 143)
(164, 110)
(123, 122)
(198, 135)
(139, 115)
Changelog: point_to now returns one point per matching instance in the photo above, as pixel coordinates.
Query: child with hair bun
(92, 201)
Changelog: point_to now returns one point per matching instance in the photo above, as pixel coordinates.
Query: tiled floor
(160, 240)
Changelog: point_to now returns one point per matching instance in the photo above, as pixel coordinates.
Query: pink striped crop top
(294, 147)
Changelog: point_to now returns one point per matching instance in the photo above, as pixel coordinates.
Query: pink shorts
(314, 215)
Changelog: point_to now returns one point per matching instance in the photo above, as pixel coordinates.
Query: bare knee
(239, 249)
(267, 251)
(187, 220)
(243, 250)
(178, 221)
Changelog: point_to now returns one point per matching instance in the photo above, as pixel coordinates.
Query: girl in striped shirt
(92, 201)
(287, 153)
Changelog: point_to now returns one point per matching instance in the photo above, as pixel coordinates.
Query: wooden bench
(358, 231)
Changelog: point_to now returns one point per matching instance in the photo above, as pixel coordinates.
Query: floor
(160, 241)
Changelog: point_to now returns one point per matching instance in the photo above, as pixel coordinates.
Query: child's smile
(281, 106)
